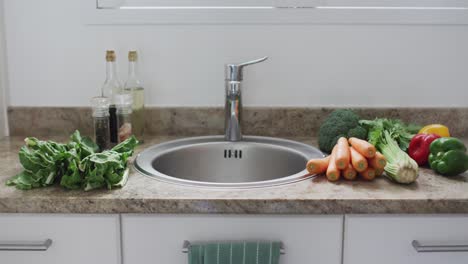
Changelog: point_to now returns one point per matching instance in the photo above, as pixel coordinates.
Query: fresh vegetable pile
(75, 165)
(347, 161)
(391, 137)
(403, 148)
(446, 155)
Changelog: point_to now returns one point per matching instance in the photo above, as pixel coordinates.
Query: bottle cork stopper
(132, 55)
(110, 55)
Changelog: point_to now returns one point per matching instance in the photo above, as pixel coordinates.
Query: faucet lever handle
(234, 71)
(252, 62)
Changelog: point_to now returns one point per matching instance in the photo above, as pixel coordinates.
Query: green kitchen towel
(234, 253)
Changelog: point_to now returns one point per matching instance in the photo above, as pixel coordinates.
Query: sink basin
(213, 162)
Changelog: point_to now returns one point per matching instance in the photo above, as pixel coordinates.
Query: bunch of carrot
(348, 158)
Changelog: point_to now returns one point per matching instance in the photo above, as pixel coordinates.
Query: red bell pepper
(419, 147)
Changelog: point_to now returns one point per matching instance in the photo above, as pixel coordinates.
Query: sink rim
(299, 148)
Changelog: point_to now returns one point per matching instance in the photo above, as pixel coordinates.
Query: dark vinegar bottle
(111, 87)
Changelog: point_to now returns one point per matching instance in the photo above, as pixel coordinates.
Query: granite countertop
(431, 194)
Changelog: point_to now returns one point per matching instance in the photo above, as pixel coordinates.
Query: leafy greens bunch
(76, 165)
(398, 131)
(392, 138)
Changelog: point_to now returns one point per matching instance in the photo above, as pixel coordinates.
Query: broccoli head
(340, 123)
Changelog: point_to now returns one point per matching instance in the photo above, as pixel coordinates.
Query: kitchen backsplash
(195, 121)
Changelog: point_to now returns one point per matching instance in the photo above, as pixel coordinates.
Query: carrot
(333, 174)
(368, 174)
(358, 161)
(378, 172)
(349, 173)
(342, 153)
(378, 161)
(317, 166)
(365, 148)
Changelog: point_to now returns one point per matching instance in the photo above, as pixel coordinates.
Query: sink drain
(233, 154)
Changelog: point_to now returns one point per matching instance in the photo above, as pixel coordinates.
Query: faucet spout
(233, 102)
(233, 111)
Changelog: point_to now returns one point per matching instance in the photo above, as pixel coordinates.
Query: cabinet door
(76, 239)
(3, 76)
(158, 238)
(388, 239)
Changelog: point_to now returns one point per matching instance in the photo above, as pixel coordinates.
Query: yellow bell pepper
(437, 129)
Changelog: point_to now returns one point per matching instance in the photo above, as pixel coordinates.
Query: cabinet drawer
(158, 239)
(75, 239)
(388, 239)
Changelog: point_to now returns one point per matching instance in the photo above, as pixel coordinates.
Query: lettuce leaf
(108, 168)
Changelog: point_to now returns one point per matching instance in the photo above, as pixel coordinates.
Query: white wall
(54, 59)
(3, 76)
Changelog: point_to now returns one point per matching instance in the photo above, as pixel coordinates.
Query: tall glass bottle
(134, 86)
(111, 87)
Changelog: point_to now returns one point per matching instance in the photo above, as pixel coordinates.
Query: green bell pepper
(448, 156)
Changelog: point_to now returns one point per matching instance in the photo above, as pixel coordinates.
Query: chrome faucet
(233, 106)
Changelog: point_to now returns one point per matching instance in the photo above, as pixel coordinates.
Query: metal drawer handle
(419, 247)
(25, 245)
(186, 247)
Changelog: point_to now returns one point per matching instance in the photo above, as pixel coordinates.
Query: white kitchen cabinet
(149, 239)
(368, 239)
(371, 239)
(76, 239)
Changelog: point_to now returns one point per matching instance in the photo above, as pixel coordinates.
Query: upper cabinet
(277, 12)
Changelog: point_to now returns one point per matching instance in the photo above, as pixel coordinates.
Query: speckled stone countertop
(431, 194)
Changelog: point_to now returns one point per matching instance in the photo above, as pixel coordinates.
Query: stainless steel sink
(213, 162)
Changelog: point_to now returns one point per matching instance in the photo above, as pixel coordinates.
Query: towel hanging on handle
(260, 252)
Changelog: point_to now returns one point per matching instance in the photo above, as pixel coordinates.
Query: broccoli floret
(358, 132)
(340, 123)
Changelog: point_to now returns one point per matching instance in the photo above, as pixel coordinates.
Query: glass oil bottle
(133, 85)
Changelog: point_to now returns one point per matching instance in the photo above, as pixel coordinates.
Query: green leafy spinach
(75, 165)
